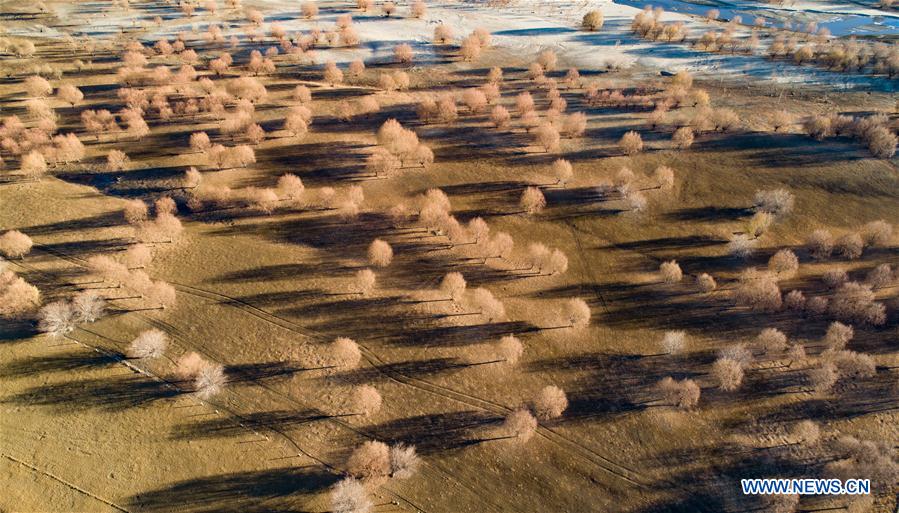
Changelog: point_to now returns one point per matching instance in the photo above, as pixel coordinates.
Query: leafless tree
(670, 272)
(418, 9)
(758, 291)
(683, 394)
(403, 53)
(855, 302)
(706, 283)
(772, 340)
(453, 285)
(487, 304)
(547, 137)
(777, 202)
(500, 117)
(728, 373)
(57, 319)
(404, 461)
(38, 87)
(443, 34)
(210, 380)
(309, 10)
(345, 353)
(673, 342)
(380, 254)
(532, 200)
(369, 460)
(349, 495)
(849, 246)
(88, 305)
(784, 263)
(17, 297)
(117, 160)
(877, 233)
(366, 400)
(365, 281)
(70, 94)
(576, 312)
(520, 425)
(332, 74)
(631, 143)
(838, 335)
(15, 244)
(823, 378)
(820, 244)
(682, 138)
(509, 350)
(148, 344)
(550, 403)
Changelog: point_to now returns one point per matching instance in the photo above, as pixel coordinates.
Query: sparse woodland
(441, 272)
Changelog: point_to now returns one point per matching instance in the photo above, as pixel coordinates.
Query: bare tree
(509, 349)
(592, 21)
(453, 285)
(562, 171)
(547, 137)
(380, 254)
(823, 378)
(631, 143)
(403, 53)
(521, 425)
(404, 461)
(838, 335)
(772, 340)
(820, 244)
(673, 342)
(784, 263)
(88, 305)
(855, 302)
(366, 400)
(877, 233)
(17, 297)
(706, 283)
(57, 319)
(758, 291)
(488, 305)
(38, 87)
(683, 137)
(309, 10)
(532, 200)
(683, 394)
(550, 403)
(15, 244)
(345, 353)
(365, 281)
(70, 94)
(332, 74)
(849, 246)
(148, 344)
(210, 380)
(728, 373)
(670, 272)
(777, 202)
(418, 9)
(369, 460)
(349, 495)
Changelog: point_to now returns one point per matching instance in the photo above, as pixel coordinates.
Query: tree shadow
(231, 427)
(111, 394)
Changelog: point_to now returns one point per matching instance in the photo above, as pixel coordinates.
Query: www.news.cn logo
(806, 486)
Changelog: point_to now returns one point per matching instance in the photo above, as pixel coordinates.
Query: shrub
(670, 272)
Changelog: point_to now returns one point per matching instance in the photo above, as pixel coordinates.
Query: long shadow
(112, 394)
(69, 361)
(264, 491)
(230, 427)
(261, 371)
(436, 432)
(412, 369)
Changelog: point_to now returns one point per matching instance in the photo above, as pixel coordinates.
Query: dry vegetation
(235, 277)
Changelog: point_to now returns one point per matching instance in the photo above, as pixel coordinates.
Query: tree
(380, 254)
(38, 87)
(532, 200)
(784, 264)
(683, 394)
(509, 349)
(576, 312)
(758, 291)
(442, 34)
(772, 340)
(728, 373)
(388, 8)
(547, 60)
(88, 306)
(15, 244)
(332, 73)
(548, 137)
(854, 302)
(631, 143)
(70, 94)
(820, 244)
(521, 425)
(453, 285)
(418, 9)
(348, 495)
(365, 281)
(592, 21)
(777, 202)
(33, 164)
(550, 403)
(345, 353)
(500, 117)
(823, 378)
(210, 380)
(670, 272)
(369, 460)
(877, 233)
(17, 297)
(148, 344)
(404, 461)
(366, 400)
(849, 246)
(706, 283)
(309, 10)
(487, 304)
(117, 160)
(673, 342)
(470, 49)
(56, 319)
(474, 99)
(403, 53)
